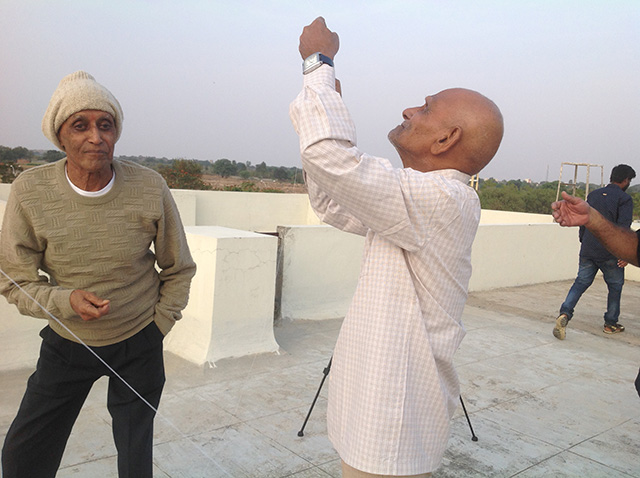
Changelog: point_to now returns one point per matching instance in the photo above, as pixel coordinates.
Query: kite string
(116, 374)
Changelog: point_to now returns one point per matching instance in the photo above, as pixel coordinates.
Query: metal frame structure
(473, 182)
(575, 177)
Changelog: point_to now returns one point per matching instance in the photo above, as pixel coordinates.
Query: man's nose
(408, 113)
(95, 135)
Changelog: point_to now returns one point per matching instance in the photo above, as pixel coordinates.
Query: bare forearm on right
(621, 242)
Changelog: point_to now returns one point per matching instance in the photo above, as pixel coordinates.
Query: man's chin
(393, 135)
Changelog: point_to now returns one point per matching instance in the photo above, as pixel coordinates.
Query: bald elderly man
(393, 387)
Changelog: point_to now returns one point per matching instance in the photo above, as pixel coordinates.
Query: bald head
(455, 129)
(481, 123)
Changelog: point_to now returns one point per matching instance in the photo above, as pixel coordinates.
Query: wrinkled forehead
(91, 115)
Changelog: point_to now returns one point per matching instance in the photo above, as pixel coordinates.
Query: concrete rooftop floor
(540, 407)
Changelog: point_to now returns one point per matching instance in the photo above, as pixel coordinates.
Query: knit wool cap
(77, 92)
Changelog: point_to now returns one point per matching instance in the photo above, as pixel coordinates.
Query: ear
(446, 140)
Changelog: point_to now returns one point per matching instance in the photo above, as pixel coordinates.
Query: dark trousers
(56, 391)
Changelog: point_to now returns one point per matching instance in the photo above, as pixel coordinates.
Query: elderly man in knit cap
(88, 221)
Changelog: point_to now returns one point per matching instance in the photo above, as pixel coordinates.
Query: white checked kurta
(392, 387)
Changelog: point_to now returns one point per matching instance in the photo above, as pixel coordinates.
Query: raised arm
(331, 212)
(316, 37)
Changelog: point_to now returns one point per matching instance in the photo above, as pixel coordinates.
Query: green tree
(183, 174)
(11, 155)
(488, 183)
(261, 170)
(501, 198)
(281, 174)
(5, 154)
(52, 155)
(538, 200)
(225, 168)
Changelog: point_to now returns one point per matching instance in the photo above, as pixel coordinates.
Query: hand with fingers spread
(571, 211)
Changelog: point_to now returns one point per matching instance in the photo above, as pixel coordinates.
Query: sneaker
(559, 331)
(613, 328)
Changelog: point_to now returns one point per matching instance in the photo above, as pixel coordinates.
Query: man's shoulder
(611, 201)
(599, 192)
(445, 179)
(42, 169)
(43, 172)
(447, 175)
(610, 191)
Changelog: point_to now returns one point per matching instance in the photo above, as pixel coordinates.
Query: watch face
(311, 60)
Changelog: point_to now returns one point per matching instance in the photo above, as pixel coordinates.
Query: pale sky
(213, 79)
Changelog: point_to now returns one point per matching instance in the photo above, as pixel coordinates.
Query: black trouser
(638, 383)
(55, 393)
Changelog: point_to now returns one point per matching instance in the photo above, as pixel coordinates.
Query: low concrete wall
(4, 191)
(490, 216)
(230, 310)
(512, 255)
(318, 271)
(320, 265)
(231, 306)
(186, 204)
(258, 212)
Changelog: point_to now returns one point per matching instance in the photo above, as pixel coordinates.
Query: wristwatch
(314, 61)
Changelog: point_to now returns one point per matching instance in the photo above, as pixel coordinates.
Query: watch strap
(315, 61)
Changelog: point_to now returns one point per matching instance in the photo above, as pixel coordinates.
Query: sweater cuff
(62, 299)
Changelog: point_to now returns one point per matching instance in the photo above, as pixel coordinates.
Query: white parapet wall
(5, 188)
(318, 271)
(230, 310)
(508, 255)
(320, 265)
(490, 216)
(258, 212)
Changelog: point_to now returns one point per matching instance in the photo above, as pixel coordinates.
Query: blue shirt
(615, 205)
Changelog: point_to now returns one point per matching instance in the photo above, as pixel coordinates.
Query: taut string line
(116, 374)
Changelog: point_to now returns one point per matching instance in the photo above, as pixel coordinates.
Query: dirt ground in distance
(219, 183)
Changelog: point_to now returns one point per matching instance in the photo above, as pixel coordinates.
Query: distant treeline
(226, 168)
(222, 167)
(513, 195)
(522, 196)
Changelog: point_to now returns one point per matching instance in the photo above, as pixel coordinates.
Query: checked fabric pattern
(392, 387)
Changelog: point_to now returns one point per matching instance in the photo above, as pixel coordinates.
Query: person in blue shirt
(613, 203)
(621, 241)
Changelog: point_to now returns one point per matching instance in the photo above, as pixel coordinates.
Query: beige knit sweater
(97, 244)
